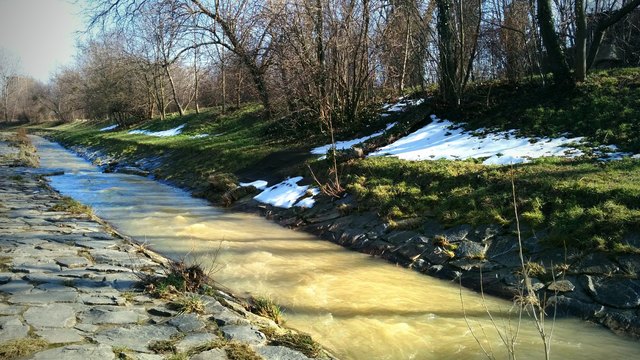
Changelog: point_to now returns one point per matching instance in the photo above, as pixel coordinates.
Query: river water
(357, 306)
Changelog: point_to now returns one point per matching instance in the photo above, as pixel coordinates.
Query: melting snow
(111, 127)
(286, 194)
(258, 184)
(165, 133)
(441, 139)
(342, 145)
(199, 136)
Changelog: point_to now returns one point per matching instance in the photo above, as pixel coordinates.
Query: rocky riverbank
(70, 289)
(595, 286)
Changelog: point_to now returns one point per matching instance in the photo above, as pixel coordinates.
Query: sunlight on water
(357, 306)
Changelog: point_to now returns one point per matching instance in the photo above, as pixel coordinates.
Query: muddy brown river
(357, 306)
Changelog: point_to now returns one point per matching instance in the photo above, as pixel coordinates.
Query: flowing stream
(357, 306)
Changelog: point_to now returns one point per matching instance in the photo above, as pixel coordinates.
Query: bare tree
(8, 76)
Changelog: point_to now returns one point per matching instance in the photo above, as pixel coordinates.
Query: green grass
(266, 307)
(237, 141)
(70, 205)
(581, 203)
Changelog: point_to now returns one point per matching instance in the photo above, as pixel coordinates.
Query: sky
(40, 34)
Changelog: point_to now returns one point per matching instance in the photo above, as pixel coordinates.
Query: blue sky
(40, 33)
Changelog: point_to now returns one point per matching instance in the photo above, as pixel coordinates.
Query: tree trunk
(173, 90)
(446, 44)
(602, 27)
(580, 72)
(550, 40)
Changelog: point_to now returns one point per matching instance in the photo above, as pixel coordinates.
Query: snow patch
(165, 133)
(347, 144)
(199, 136)
(442, 139)
(258, 184)
(286, 194)
(108, 128)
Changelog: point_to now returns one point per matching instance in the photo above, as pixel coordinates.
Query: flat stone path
(70, 280)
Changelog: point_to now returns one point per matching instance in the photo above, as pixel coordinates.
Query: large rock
(137, 337)
(194, 340)
(213, 354)
(619, 293)
(51, 316)
(279, 353)
(243, 333)
(471, 250)
(111, 315)
(11, 328)
(60, 336)
(77, 352)
(187, 322)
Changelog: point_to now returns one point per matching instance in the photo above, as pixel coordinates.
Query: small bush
(189, 304)
(70, 205)
(266, 307)
(301, 342)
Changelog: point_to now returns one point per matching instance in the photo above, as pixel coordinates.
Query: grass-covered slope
(581, 203)
(238, 142)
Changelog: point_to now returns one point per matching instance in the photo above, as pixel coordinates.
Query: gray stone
(51, 316)
(60, 336)
(596, 263)
(77, 352)
(401, 237)
(73, 262)
(109, 268)
(136, 337)
(109, 315)
(279, 353)
(11, 328)
(87, 328)
(243, 333)
(44, 297)
(187, 322)
(617, 292)
(16, 287)
(94, 244)
(101, 299)
(457, 233)
(36, 266)
(193, 340)
(471, 250)
(213, 354)
(161, 311)
(224, 316)
(5, 278)
(11, 309)
(561, 286)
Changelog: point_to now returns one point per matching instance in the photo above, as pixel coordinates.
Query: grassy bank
(582, 203)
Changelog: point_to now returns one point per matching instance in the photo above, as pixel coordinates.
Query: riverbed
(358, 306)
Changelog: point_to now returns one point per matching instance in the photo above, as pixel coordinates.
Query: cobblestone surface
(70, 280)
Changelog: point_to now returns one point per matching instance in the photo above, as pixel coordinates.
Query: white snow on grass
(286, 194)
(347, 144)
(441, 139)
(111, 127)
(199, 136)
(165, 133)
(258, 184)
